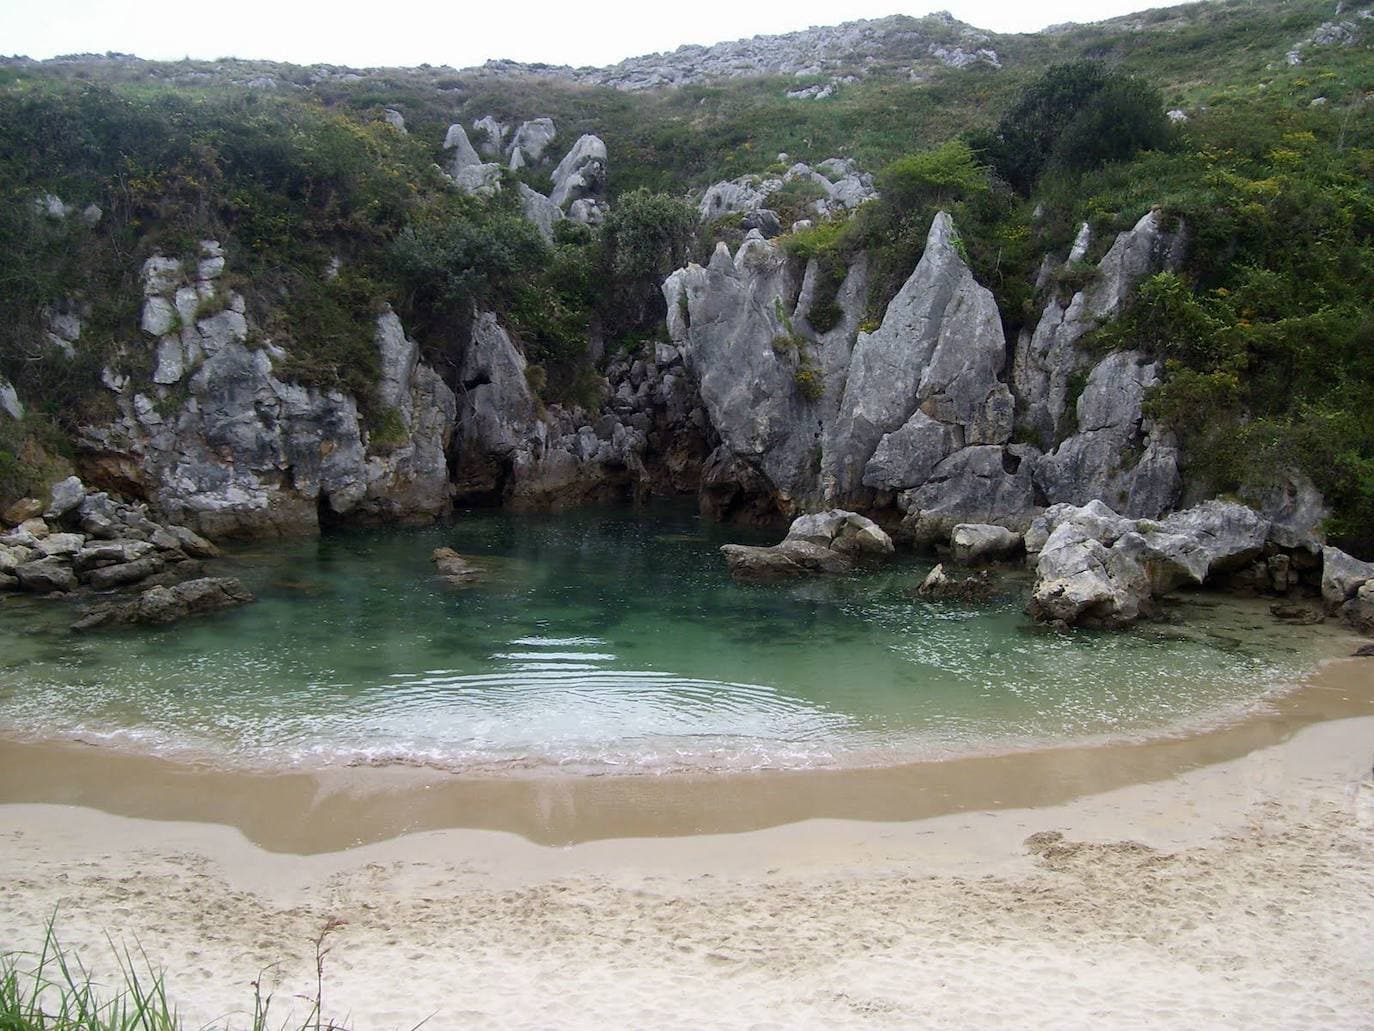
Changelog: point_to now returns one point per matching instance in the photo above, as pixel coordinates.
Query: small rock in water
(938, 586)
(1365, 651)
(1298, 615)
(454, 568)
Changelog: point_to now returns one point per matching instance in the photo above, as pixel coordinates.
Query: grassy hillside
(1267, 331)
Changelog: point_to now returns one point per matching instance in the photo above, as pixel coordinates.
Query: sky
(461, 33)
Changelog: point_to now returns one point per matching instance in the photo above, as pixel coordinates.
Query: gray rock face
(1095, 462)
(1048, 357)
(1098, 568)
(840, 183)
(247, 454)
(480, 180)
(976, 543)
(831, 50)
(984, 484)
(935, 359)
(544, 213)
(46, 575)
(828, 542)
(461, 152)
(1342, 576)
(532, 140)
(66, 495)
(581, 175)
(10, 404)
(491, 136)
(162, 605)
(916, 403)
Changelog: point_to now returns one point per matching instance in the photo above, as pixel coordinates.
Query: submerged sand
(1226, 881)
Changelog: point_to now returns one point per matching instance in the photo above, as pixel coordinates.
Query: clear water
(611, 640)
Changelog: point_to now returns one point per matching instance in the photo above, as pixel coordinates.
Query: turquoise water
(612, 640)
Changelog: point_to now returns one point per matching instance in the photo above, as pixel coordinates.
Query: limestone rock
(1093, 464)
(66, 495)
(532, 140)
(975, 543)
(454, 568)
(10, 405)
(939, 586)
(544, 213)
(581, 174)
(827, 542)
(1047, 357)
(104, 577)
(983, 484)
(46, 575)
(162, 605)
(463, 155)
(23, 510)
(939, 351)
(1342, 576)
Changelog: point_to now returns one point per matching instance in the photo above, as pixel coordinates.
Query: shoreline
(333, 808)
(1235, 894)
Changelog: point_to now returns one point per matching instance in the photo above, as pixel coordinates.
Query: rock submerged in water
(939, 586)
(454, 569)
(162, 605)
(824, 543)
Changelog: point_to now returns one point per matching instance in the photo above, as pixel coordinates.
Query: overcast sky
(463, 32)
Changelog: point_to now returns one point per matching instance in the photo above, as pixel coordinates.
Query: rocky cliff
(918, 416)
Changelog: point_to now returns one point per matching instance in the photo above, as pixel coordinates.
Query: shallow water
(614, 640)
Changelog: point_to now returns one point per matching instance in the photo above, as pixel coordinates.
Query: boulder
(46, 575)
(581, 174)
(939, 586)
(60, 545)
(22, 511)
(104, 577)
(1098, 568)
(463, 155)
(66, 495)
(161, 605)
(544, 213)
(1359, 610)
(454, 568)
(111, 553)
(1342, 576)
(826, 542)
(976, 543)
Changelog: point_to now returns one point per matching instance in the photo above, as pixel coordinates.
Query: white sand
(1246, 900)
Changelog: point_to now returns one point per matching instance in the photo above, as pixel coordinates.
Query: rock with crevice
(581, 175)
(1117, 455)
(1048, 358)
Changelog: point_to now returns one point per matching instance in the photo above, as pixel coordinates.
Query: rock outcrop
(839, 184)
(222, 443)
(579, 181)
(828, 542)
(163, 605)
(90, 540)
(1097, 568)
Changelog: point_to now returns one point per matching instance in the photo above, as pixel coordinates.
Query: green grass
(52, 990)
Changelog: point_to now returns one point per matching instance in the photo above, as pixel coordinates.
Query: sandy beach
(1228, 882)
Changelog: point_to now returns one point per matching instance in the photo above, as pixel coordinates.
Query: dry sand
(1237, 893)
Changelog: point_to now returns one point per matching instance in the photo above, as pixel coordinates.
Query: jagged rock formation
(857, 46)
(1047, 356)
(649, 435)
(842, 185)
(579, 181)
(1098, 568)
(919, 414)
(221, 443)
(161, 605)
